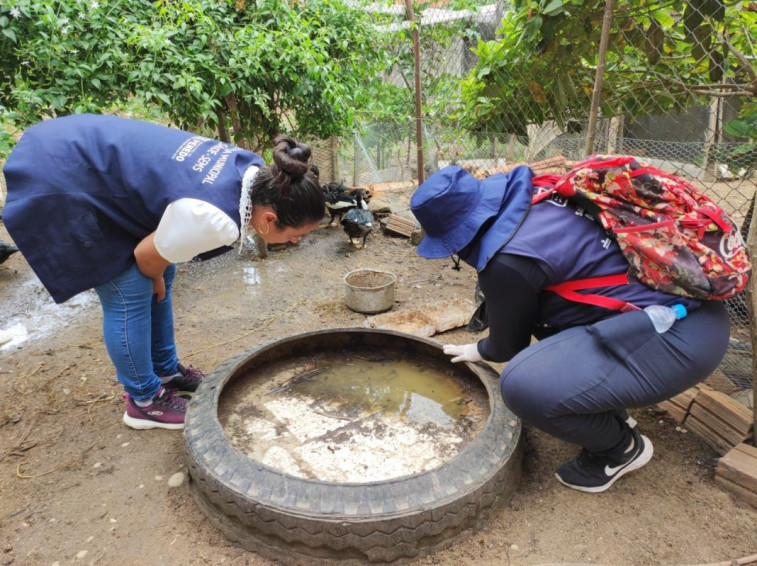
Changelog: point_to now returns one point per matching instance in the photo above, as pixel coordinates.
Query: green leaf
(554, 8)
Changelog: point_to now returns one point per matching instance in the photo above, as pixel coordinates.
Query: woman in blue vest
(112, 204)
(590, 364)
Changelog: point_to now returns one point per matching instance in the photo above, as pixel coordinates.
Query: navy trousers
(572, 385)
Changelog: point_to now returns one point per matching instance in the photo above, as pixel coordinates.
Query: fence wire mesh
(377, 155)
(676, 75)
(481, 84)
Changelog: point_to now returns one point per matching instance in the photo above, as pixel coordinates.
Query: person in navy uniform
(590, 364)
(112, 204)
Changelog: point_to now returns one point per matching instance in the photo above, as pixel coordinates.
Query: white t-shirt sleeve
(190, 227)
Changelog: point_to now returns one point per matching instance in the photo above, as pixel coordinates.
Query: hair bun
(290, 156)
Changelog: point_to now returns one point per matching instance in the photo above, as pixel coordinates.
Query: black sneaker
(185, 381)
(595, 472)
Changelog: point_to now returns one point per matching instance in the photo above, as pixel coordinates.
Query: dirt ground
(79, 487)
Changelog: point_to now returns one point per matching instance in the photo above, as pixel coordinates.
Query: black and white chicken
(338, 201)
(358, 221)
(6, 250)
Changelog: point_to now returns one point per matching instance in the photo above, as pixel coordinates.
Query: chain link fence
(681, 129)
(488, 85)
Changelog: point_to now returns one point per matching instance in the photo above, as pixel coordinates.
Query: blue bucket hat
(452, 205)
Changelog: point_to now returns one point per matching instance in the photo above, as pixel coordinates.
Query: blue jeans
(138, 331)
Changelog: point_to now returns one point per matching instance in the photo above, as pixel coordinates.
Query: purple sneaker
(185, 381)
(166, 411)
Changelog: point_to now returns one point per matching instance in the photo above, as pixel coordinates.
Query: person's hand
(159, 288)
(465, 353)
(151, 264)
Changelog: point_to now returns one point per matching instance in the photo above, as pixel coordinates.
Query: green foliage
(61, 57)
(7, 138)
(662, 56)
(745, 126)
(257, 67)
(742, 155)
(395, 101)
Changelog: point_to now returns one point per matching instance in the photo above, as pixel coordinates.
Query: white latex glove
(465, 353)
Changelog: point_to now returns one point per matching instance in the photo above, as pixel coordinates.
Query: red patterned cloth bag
(675, 239)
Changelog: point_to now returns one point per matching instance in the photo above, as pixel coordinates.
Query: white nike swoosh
(612, 471)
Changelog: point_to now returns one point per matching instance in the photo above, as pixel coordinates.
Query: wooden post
(510, 152)
(356, 161)
(616, 124)
(751, 303)
(418, 107)
(709, 166)
(334, 158)
(599, 78)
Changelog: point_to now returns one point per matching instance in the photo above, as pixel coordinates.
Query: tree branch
(740, 56)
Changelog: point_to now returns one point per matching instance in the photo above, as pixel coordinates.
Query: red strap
(716, 217)
(592, 282)
(538, 197)
(567, 290)
(554, 184)
(545, 180)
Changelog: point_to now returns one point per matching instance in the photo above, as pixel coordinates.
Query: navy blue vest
(568, 244)
(84, 190)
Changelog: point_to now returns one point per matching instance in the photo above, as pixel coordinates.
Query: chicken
(358, 221)
(338, 201)
(6, 250)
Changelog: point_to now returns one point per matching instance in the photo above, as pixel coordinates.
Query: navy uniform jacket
(567, 244)
(84, 190)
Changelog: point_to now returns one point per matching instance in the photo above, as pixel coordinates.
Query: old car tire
(304, 522)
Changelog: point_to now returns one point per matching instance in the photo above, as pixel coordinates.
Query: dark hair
(289, 186)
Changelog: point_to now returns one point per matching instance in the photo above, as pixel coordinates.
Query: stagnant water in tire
(349, 417)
